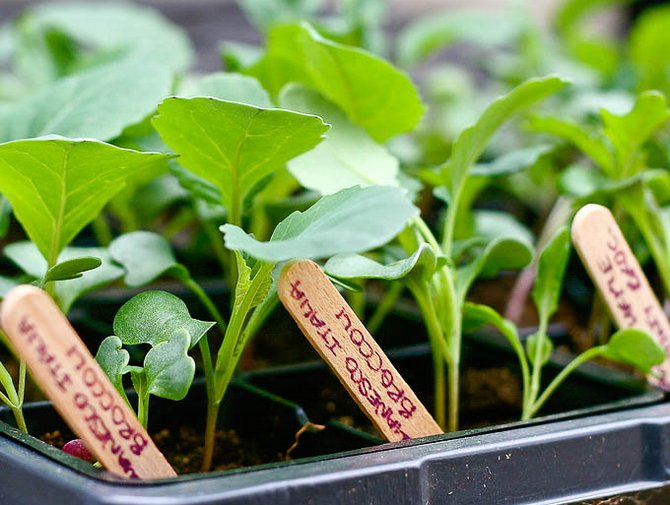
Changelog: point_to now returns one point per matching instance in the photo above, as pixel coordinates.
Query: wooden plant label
(80, 391)
(620, 279)
(345, 344)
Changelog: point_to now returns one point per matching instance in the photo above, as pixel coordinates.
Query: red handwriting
(401, 406)
(91, 402)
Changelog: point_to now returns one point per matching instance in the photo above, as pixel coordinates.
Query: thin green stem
(143, 409)
(20, 420)
(101, 230)
(582, 358)
(210, 435)
(206, 301)
(356, 301)
(385, 306)
(230, 352)
(439, 349)
(537, 363)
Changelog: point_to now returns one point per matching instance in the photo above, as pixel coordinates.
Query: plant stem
(385, 305)
(143, 409)
(582, 358)
(210, 435)
(101, 230)
(206, 301)
(537, 363)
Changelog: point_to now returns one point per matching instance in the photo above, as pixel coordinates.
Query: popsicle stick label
(620, 279)
(80, 391)
(359, 363)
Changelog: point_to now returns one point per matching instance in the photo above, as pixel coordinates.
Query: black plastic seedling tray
(562, 457)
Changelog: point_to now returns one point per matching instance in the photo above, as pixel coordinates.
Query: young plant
(623, 175)
(632, 347)
(54, 194)
(440, 291)
(161, 320)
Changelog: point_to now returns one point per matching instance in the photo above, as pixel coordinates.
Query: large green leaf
(121, 30)
(373, 93)
(57, 186)
(470, 144)
(350, 221)
(229, 86)
(348, 157)
(26, 256)
(629, 132)
(145, 256)
(550, 270)
(96, 104)
(153, 317)
(232, 145)
(636, 348)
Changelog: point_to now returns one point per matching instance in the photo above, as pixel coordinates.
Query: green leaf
(635, 348)
(348, 157)
(57, 186)
(347, 76)
(244, 281)
(266, 13)
(232, 145)
(550, 270)
(6, 285)
(145, 256)
(503, 253)
(5, 216)
(231, 87)
(350, 221)
(152, 317)
(432, 33)
(630, 132)
(470, 144)
(96, 104)
(123, 30)
(113, 360)
(26, 256)
(71, 269)
(547, 349)
(650, 33)
(168, 368)
(581, 137)
(512, 162)
(581, 182)
(355, 266)
(476, 315)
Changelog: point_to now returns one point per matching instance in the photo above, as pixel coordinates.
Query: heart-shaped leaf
(348, 157)
(232, 145)
(57, 186)
(153, 317)
(350, 221)
(168, 368)
(113, 360)
(145, 256)
(347, 76)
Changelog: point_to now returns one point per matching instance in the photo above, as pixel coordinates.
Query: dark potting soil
(488, 396)
(183, 448)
